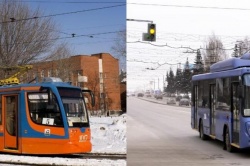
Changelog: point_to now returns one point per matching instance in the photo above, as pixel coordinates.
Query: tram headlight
(248, 127)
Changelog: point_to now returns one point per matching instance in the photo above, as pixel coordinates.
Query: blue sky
(87, 23)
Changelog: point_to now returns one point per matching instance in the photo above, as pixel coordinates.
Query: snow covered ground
(108, 136)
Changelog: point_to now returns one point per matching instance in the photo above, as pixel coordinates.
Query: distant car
(178, 98)
(184, 101)
(140, 95)
(148, 95)
(171, 101)
(158, 96)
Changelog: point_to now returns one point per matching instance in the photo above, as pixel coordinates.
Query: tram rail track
(110, 156)
(97, 156)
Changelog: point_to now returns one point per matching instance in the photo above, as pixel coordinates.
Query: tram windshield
(74, 107)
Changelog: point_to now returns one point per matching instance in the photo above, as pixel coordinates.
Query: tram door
(10, 108)
(235, 113)
(212, 108)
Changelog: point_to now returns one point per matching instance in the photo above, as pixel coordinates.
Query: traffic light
(151, 35)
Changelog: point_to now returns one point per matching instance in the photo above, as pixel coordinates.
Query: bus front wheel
(227, 142)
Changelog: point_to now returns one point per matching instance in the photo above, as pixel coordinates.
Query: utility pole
(163, 83)
(154, 85)
(158, 84)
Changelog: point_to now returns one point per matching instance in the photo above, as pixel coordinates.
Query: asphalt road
(161, 135)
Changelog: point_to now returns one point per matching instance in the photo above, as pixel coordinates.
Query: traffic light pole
(139, 20)
(151, 34)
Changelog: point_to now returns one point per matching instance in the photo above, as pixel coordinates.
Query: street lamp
(163, 81)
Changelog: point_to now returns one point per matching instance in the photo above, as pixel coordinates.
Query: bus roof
(228, 73)
(232, 63)
(227, 68)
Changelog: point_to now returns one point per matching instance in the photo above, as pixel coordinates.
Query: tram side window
(43, 112)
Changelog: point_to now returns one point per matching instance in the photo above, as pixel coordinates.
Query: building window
(57, 72)
(34, 75)
(42, 73)
(101, 87)
(49, 73)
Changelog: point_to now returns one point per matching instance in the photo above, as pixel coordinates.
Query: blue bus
(221, 103)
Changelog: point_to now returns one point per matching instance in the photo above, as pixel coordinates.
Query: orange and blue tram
(44, 118)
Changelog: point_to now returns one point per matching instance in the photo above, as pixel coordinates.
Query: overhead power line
(141, 61)
(73, 36)
(187, 6)
(60, 14)
(180, 47)
(77, 2)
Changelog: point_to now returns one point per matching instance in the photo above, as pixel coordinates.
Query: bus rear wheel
(227, 142)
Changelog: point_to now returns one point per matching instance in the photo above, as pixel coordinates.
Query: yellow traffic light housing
(151, 35)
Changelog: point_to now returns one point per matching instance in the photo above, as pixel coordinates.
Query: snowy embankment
(109, 134)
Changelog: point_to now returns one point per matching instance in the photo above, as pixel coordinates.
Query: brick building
(98, 72)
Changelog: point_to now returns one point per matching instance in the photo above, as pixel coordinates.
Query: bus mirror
(240, 92)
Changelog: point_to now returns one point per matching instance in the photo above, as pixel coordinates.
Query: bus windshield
(246, 111)
(74, 107)
(247, 79)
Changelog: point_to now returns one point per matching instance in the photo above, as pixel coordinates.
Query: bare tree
(25, 36)
(243, 46)
(93, 82)
(214, 52)
(119, 48)
(63, 66)
(120, 44)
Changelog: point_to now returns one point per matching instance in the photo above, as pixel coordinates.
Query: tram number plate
(83, 138)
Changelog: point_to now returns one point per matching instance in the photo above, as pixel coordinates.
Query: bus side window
(204, 101)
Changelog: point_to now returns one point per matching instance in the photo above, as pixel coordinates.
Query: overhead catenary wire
(180, 47)
(189, 6)
(60, 14)
(73, 2)
(59, 38)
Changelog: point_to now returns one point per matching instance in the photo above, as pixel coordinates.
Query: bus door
(10, 108)
(195, 104)
(212, 108)
(235, 113)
